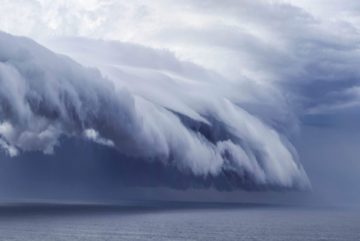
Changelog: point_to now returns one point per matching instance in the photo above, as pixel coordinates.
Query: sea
(55, 222)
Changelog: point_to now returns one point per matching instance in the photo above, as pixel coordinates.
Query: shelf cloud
(219, 89)
(173, 112)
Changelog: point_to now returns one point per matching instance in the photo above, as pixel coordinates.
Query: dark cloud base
(83, 167)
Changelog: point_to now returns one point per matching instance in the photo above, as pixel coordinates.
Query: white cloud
(94, 136)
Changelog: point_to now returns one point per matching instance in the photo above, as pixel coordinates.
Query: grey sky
(267, 78)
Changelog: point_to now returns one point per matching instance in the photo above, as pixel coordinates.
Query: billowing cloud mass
(208, 87)
(188, 120)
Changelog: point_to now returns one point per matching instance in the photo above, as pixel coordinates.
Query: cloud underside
(158, 110)
(214, 93)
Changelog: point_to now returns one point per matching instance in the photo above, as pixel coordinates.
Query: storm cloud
(218, 89)
(186, 124)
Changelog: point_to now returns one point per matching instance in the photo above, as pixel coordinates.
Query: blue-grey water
(213, 223)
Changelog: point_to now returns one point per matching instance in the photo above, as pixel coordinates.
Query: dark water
(237, 223)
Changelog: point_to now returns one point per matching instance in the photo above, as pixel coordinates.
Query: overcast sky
(227, 95)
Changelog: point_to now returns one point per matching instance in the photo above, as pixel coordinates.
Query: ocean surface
(78, 222)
